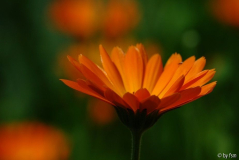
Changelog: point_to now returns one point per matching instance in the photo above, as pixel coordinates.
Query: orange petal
(174, 88)
(74, 62)
(154, 69)
(82, 87)
(150, 104)
(118, 57)
(210, 74)
(112, 71)
(186, 95)
(131, 100)
(142, 94)
(167, 101)
(194, 80)
(92, 77)
(207, 88)
(90, 87)
(73, 85)
(116, 99)
(182, 70)
(93, 87)
(174, 57)
(204, 91)
(133, 69)
(143, 55)
(170, 68)
(196, 68)
(95, 69)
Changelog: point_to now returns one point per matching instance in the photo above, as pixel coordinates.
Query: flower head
(24, 141)
(140, 89)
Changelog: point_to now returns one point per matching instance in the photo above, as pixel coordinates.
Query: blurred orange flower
(120, 17)
(226, 11)
(76, 17)
(32, 141)
(100, 112)
(137, 87)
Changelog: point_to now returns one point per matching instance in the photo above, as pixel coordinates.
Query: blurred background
(42, 119)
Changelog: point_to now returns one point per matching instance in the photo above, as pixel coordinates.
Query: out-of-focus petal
(101, 113)
(32, 141)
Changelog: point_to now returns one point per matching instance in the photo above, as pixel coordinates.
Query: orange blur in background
(32, 141)
(101, 113)
(75, 17)
(120, 17)
(83, 18)
(227, 11)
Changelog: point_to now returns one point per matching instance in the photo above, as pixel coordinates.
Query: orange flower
(99, 112)
(75, 17)
(226, 11)
(138, 87)
(120, 17)
(32, 141)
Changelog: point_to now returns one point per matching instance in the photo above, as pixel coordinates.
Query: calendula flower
(32, 141)
(141, 90)
(227, 11)
(99, 112)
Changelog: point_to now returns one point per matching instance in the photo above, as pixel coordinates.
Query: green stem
(136, 140)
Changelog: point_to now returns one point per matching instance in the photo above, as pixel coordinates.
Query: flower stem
(136, 141)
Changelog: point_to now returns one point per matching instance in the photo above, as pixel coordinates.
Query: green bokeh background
(30, 90)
